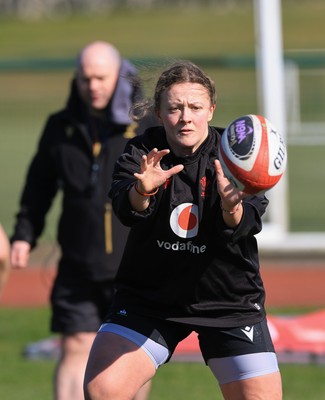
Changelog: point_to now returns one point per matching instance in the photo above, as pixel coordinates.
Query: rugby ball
(253, 154)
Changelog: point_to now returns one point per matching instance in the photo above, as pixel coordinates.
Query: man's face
(96, 81)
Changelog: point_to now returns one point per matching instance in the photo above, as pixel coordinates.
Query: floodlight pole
(271, 86)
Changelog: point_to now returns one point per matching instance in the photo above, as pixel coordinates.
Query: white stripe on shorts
(155, 351)
(236, 368)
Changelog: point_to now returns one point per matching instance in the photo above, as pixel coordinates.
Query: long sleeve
(37, 195)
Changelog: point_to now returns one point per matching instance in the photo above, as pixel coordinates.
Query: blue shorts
(231, 353)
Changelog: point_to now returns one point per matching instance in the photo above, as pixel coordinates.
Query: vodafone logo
(184, 220)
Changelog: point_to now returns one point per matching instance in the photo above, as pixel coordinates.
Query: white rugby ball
(253, 154)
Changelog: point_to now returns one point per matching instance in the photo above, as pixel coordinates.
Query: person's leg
(123, 360)
(75, 316)
(266, 387)
(144, 392)
(117, 368)
(243, 361)
(70, 369)
(126, 352)
(249, 376)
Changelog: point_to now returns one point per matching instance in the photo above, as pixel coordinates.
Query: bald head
(98, 66)
(99, 52)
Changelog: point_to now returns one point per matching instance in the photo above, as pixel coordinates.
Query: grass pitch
(25, 379)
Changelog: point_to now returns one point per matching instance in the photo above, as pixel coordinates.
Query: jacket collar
(126, 92)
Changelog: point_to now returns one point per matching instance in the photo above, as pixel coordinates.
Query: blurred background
(40, 40)
(38, 44)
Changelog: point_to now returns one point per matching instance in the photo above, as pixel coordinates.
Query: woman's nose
(185, 115)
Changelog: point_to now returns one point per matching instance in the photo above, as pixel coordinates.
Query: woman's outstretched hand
(230, 198)
(152, 175)
(229, 194)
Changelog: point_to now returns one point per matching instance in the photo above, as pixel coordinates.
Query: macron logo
(249, 332)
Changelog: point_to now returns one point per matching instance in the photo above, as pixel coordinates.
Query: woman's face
(185, 110)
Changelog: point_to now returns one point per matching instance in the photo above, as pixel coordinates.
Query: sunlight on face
(185, 111)
(96, 81)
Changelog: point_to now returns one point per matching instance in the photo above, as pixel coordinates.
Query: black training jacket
(90, 236)
(201, 272)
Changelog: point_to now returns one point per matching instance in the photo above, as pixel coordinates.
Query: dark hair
(178, 72)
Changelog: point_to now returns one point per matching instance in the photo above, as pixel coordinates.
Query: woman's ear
(212, 109)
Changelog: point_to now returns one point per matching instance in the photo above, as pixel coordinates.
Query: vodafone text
(179, 246)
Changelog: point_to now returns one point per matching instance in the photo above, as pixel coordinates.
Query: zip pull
(97, 146)
(108, 228)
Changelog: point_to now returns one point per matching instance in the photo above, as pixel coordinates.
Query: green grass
(306, 193)
(29, 380)
(21, 378)
(135, 32)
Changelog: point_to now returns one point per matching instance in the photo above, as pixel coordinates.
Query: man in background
(76, 154)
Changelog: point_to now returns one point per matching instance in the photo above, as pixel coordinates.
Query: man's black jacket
(89, 234)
